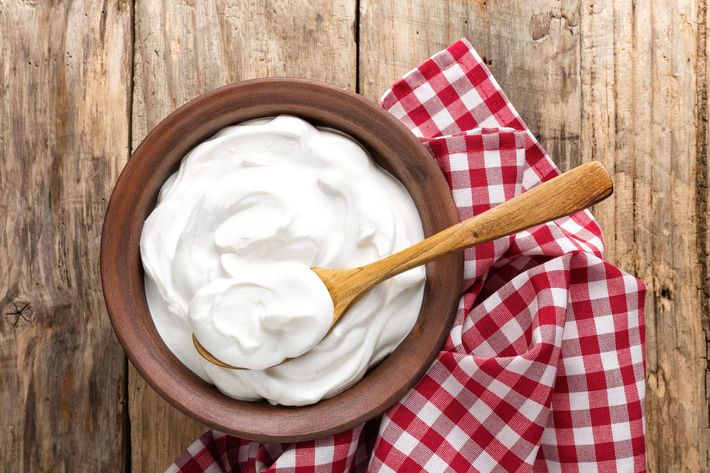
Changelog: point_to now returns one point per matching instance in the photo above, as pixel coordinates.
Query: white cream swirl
(228, 250)
(261, 314)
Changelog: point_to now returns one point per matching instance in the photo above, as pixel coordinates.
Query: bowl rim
(135, 191)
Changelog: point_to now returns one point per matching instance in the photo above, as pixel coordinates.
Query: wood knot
(18, 310)
(666, 293)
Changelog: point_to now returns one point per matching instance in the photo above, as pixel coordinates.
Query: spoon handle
(563, 195)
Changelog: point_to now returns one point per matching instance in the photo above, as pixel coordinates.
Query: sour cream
(228, 249)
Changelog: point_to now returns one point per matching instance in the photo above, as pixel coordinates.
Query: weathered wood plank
(624, 83)
(645, 114)
(64, 131)
(185, 48)
(531, 47)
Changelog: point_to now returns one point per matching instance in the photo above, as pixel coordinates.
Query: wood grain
(532, 49)
(622, 82)
(185, 48)
(65, 75)
(644, 80)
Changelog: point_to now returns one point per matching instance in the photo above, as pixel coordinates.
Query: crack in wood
(701, 202)
(21, 310)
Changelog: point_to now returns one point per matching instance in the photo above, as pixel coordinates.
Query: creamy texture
(228, 250)
(261, 314)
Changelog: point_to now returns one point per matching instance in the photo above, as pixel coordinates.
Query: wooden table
(82, 82)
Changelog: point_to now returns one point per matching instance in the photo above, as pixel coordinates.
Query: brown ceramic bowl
(391, 145)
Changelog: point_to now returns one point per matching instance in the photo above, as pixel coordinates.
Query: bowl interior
(391, 145)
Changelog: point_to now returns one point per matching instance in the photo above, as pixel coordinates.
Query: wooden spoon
(563, 195)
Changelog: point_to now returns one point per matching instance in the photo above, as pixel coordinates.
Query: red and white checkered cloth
(544, 366)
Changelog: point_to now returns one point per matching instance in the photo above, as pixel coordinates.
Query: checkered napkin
(544, 366)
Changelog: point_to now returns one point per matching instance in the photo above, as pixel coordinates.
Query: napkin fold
(544, 367)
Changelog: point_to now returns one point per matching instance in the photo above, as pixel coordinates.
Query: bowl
(391, 145)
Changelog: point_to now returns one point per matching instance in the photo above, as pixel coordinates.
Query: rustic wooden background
(624, 82)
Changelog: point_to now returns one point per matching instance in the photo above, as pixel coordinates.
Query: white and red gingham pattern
(544, 366)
